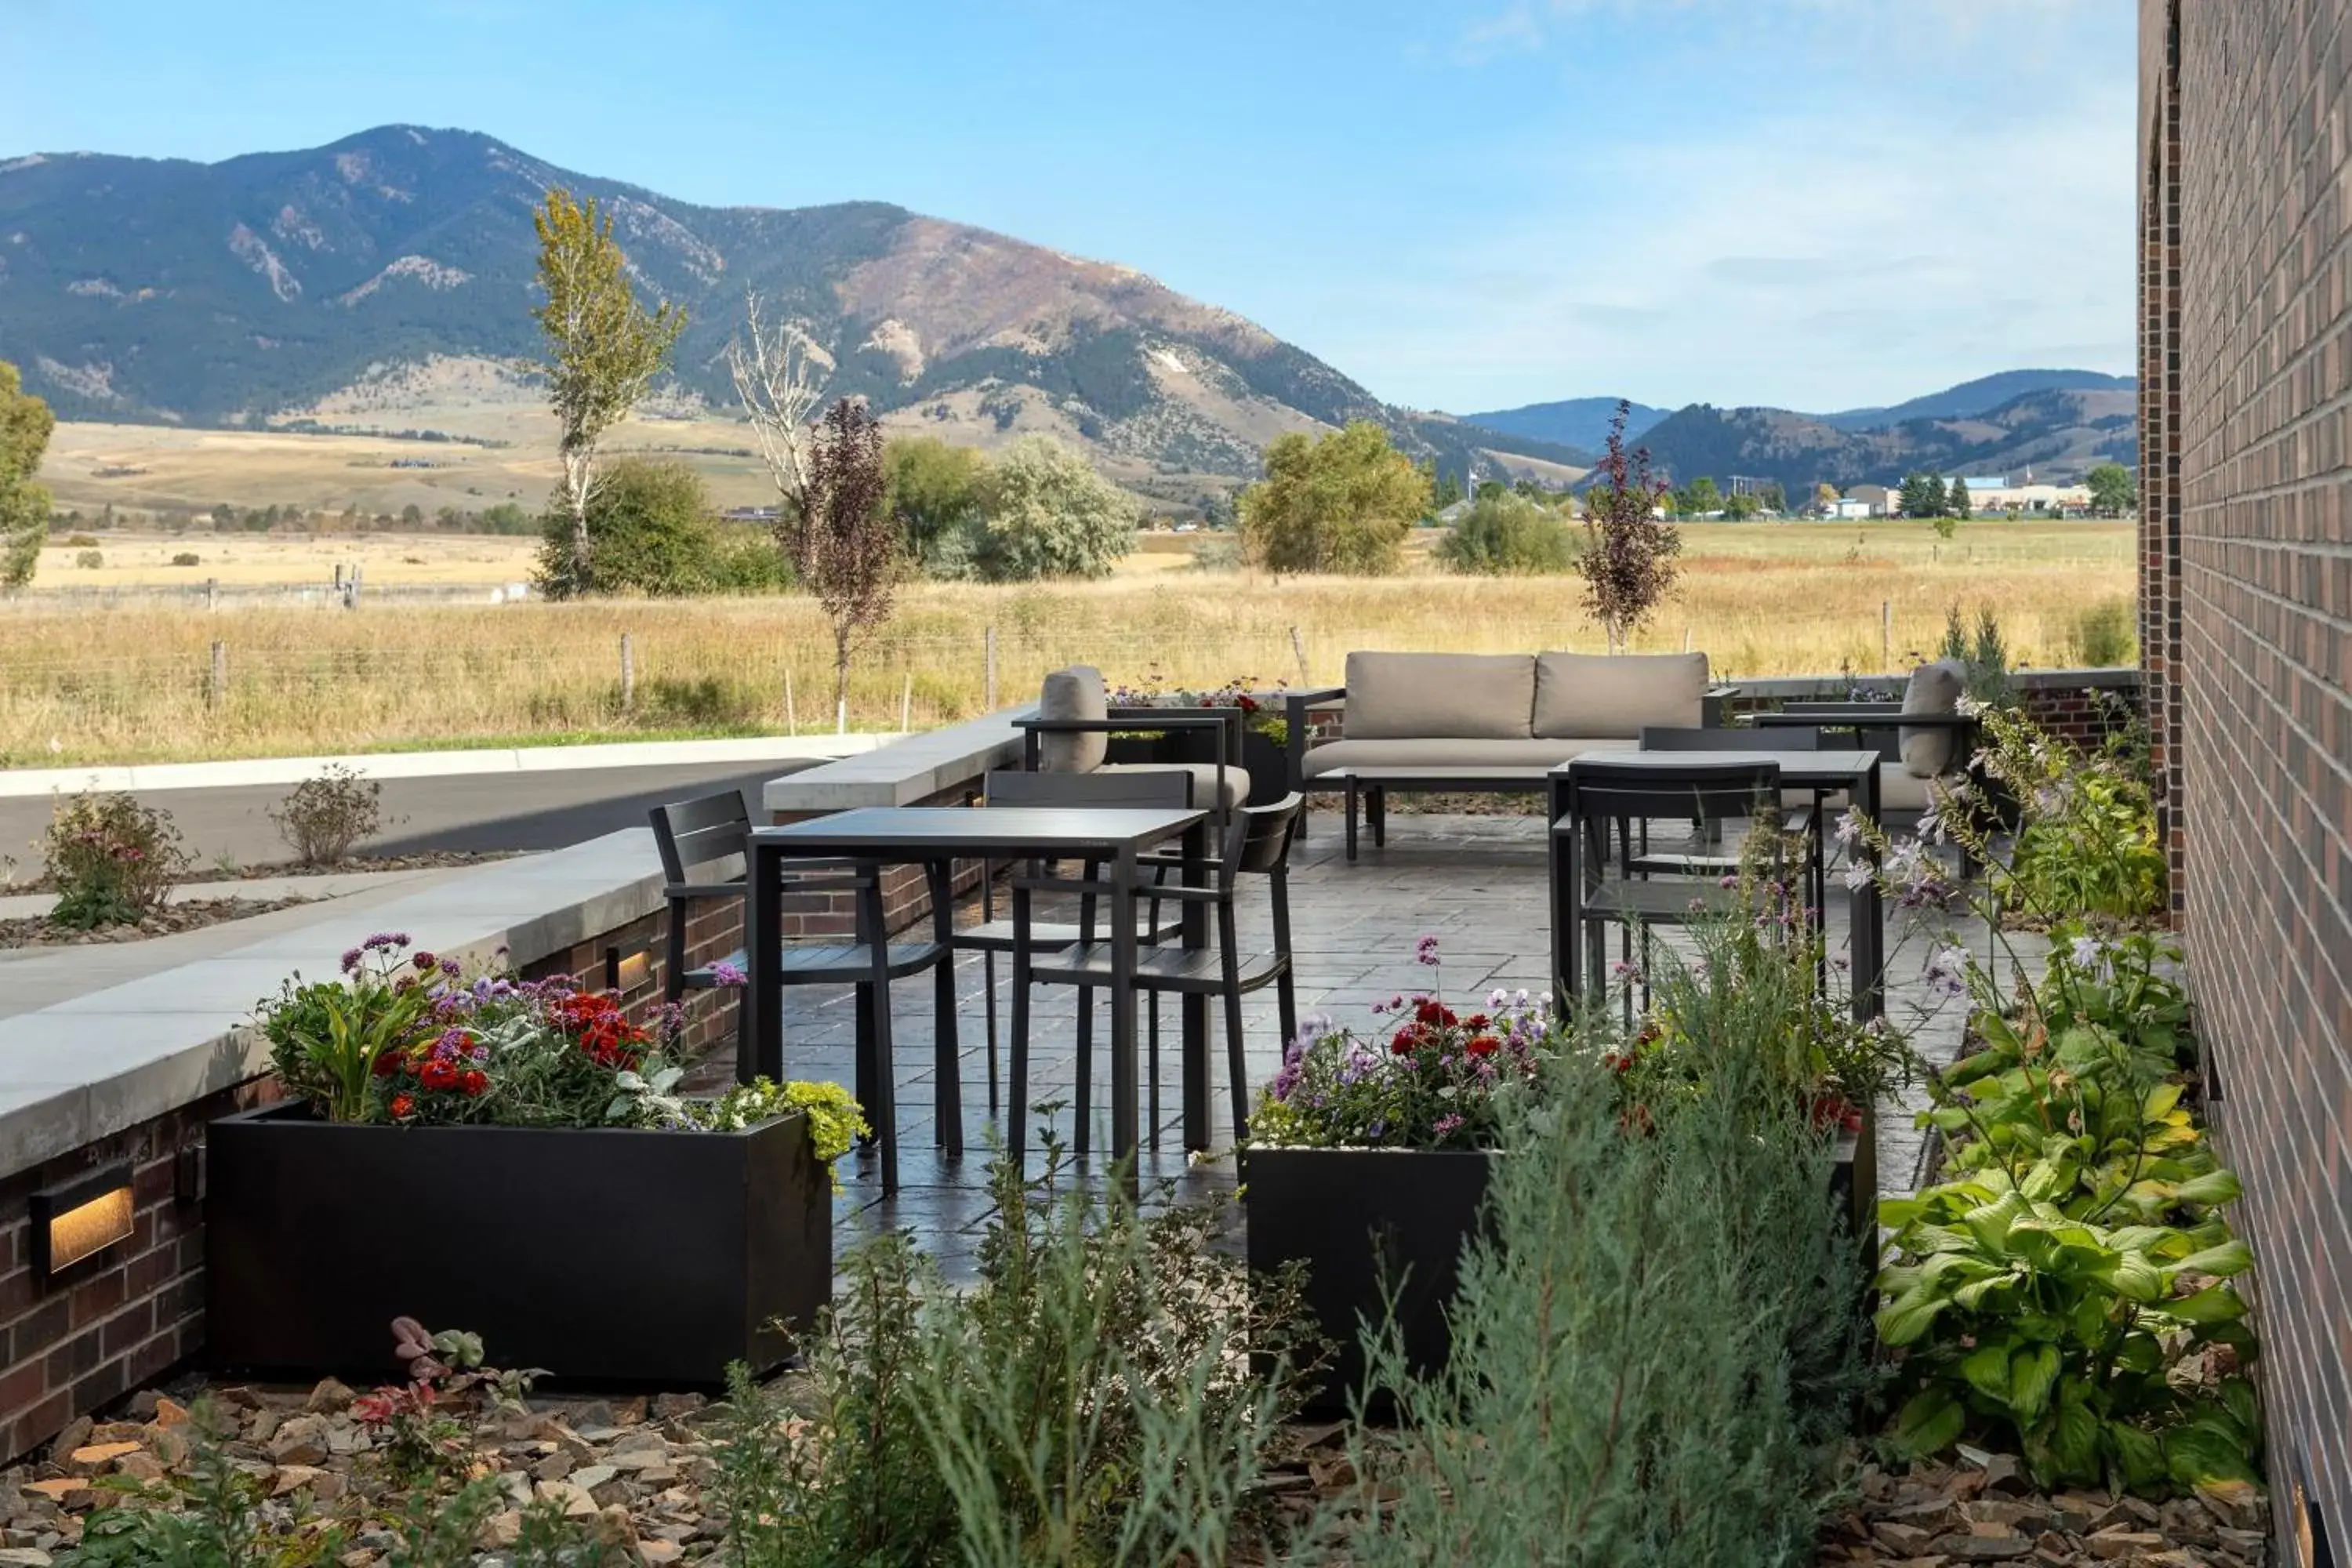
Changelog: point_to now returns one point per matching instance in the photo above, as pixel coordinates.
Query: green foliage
(1956, 499)
(112, 860)
(940, 494)
(1698, 497)
(1342, 503)
(835, 1120)
(325, 1037)
(1050, 515)
(2107, 635)
(1082, 1405)
(602, 349)
(1947, 526)
(89, 560)
(1982, 654)
(1509, 535)
(2114, 489)
(650, 530)
(1654, 1351)
(2086, 845)
(321, 818)
(24, 425)
(1921, 496)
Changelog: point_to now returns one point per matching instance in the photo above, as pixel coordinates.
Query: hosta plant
(2102, 1354)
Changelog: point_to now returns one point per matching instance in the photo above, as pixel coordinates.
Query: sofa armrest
(1225, 722)
(1713, 705)
(1296, 706)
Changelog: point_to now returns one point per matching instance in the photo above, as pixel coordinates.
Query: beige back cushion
(1935, 688)
(1587, 696)
(1073, 693)
(1439, 695)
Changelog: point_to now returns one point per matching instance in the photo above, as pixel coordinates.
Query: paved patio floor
(1476, 883)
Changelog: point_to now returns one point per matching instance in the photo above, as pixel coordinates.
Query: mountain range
(356, 276)
(393, 270)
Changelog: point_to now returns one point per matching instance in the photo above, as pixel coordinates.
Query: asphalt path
(229, 826)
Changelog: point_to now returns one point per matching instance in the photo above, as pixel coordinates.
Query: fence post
(988, 684)
(212, 593)
(906, 702)
(1298, 647)
(216, 686)
(1886, 634)
(792, 718)
(628, 674)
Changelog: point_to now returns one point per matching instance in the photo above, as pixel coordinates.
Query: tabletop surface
(956, 827)
(1796, 767)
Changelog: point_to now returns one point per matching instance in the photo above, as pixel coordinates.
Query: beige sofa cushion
(1077, 692)
(1202, 774)
(1468, 755)
(1439, 695)
(1584, 695)
(1935, 688)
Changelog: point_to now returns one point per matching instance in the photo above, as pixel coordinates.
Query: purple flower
(385, 940)
(450, 967)
(1376, 1131)
(1425, 951)
(725, 973)
(1445, 1126)
(1947, 970)
(351, 961)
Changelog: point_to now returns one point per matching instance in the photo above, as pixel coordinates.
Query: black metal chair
(1804, 821)
(1601, 793)
(1255, 843)
(1217, 731)
(992, 935)
(703, 846)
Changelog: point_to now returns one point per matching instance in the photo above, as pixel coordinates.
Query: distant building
(2050, 500)
(1847, 507)
(1877, 500)
(750, 514)
(1997, 482)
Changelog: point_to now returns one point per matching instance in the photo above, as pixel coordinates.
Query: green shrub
(187, 558)
(1654, 1354)
(1982, 654)
(80, 541)
(322, 819)
(2086, 844)
(2105, 635)
(112, 860)
(90, 560)
(1509, 535)
(1217, 552)
(1083, 1403)
(651, 530)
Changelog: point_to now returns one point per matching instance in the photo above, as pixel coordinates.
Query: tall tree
(1825, 497)
(939, 494)
(604, 349)
(780, 380)
(1629, 556)
(24, 425)
(649, 532)
(1698, 497)
(1340, 503)
(842, 541)
(1956, 498)
(1051, 515)
(2113, 490)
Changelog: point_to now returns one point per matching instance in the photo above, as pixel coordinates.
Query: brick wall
(714, 930)
(904, 895)
(112, 1322)
(2246, 484)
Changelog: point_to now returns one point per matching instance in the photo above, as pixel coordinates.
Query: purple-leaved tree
(1628, 554)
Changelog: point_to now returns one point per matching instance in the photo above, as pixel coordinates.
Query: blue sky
(1814, 204)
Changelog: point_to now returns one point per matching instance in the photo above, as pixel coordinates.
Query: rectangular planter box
(1365, 1221)
(602, 1254)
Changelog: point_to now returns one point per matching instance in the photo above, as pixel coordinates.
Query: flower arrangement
(1434, 1079)
(403, 1038)
(1152, 691)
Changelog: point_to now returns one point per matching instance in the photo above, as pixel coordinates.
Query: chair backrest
(1600, 790)
(1262, 834)
(1764, 738)
(702, 841)
(1172, 789)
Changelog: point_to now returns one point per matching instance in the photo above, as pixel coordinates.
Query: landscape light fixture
(630, 972)
(80, 1218)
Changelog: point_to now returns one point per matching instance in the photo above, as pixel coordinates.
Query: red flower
(1476, 1021)
(1406, 1041)
(1428, 1012)
(387, 1062)
(1483, 1045)
(403, 1106)
(437, 1074)
(473, 1080)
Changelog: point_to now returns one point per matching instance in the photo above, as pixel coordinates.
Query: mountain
(397, 265)
(1581, 422)
(1980, 396)
(2059, 434)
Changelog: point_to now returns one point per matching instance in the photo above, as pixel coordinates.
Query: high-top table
(936, 835)
(1824, 773)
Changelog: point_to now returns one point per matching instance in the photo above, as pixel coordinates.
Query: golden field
(83, 680)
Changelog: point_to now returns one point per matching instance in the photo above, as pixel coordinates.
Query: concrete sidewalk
(260, 889)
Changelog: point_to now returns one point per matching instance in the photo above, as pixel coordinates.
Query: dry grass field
(83, 682)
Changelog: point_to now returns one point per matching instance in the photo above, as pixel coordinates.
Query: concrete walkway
(259, 890)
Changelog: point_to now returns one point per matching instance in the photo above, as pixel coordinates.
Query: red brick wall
(112, 1322)
(2246, 489)
(905, 898)
(714, 930)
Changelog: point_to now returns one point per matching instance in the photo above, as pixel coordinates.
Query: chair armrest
(1711, 705)
(675, 890)
(1296, 705)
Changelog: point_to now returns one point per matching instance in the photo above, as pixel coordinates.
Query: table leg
(1378, 809)
(1123, 1109)
(1196, 1006)
(884, 1111)
(1868, 919)
(947, 1055)
(762, 1050)
(1355, 800)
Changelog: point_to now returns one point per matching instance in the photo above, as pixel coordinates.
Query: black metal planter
(603, 1255)
(1366, 1222)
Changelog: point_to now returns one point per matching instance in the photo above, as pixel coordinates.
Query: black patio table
(938, 835)
(1823, 772)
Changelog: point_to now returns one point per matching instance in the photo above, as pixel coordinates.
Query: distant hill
(2059, 434)
(1579, 422)
(1980, 396)
(352, 276)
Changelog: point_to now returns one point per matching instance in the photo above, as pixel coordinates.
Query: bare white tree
(780, 380)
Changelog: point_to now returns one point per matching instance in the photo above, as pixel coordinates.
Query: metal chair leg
(1229, 960)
